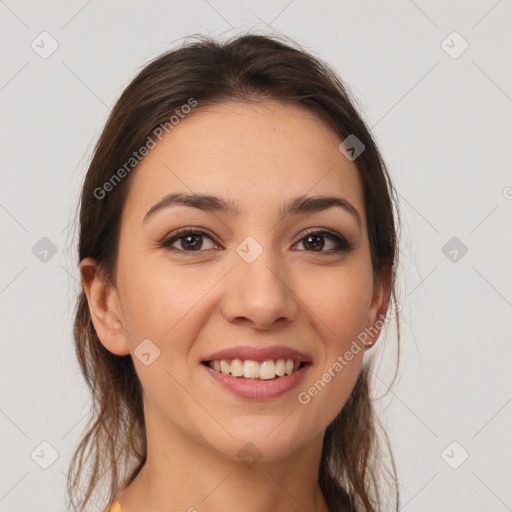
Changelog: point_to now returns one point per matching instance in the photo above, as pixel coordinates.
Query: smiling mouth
(254, 370)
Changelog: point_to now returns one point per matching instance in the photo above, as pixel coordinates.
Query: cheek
(169, 306)
(340, 301)
(157, 297)
(339, 312)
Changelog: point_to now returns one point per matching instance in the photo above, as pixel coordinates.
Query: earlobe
(104, 308)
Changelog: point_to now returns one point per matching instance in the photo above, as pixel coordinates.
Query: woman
(238, 256)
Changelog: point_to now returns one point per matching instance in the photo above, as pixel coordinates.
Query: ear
(378, 307)
(104, 308)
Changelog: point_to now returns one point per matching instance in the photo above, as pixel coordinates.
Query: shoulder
(114, 507)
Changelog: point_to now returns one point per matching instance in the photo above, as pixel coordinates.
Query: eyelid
(168, 240)
(319, 230)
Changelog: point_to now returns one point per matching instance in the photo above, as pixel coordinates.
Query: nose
(259, 293)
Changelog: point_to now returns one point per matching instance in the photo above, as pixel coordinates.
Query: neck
(182, 473)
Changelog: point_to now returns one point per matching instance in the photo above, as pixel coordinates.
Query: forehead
(254, 154)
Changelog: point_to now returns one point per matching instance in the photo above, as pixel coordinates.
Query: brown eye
(189, 241)
(315, 242)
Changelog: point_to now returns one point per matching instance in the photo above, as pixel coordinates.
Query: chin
(259, 444)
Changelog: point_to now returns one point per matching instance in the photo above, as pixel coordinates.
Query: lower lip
(259, 389)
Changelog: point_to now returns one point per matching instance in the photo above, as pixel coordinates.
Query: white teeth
(237, 367)
(249, 369)
(267, 370)
(280, 366)
(224, 367)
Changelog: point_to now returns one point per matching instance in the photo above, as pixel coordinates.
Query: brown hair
(249, 67)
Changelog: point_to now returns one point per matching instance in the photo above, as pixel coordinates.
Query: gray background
(443, 124)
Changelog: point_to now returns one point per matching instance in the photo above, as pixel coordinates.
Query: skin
(261, 155)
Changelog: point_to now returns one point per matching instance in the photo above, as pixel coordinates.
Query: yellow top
(115, 507)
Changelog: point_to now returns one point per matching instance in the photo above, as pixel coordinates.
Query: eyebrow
(301, 204)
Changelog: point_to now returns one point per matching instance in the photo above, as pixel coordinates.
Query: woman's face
(252, 279)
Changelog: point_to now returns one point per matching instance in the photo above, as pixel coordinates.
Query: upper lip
(259, 354)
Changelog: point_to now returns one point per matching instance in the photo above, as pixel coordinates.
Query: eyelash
(343, 245)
